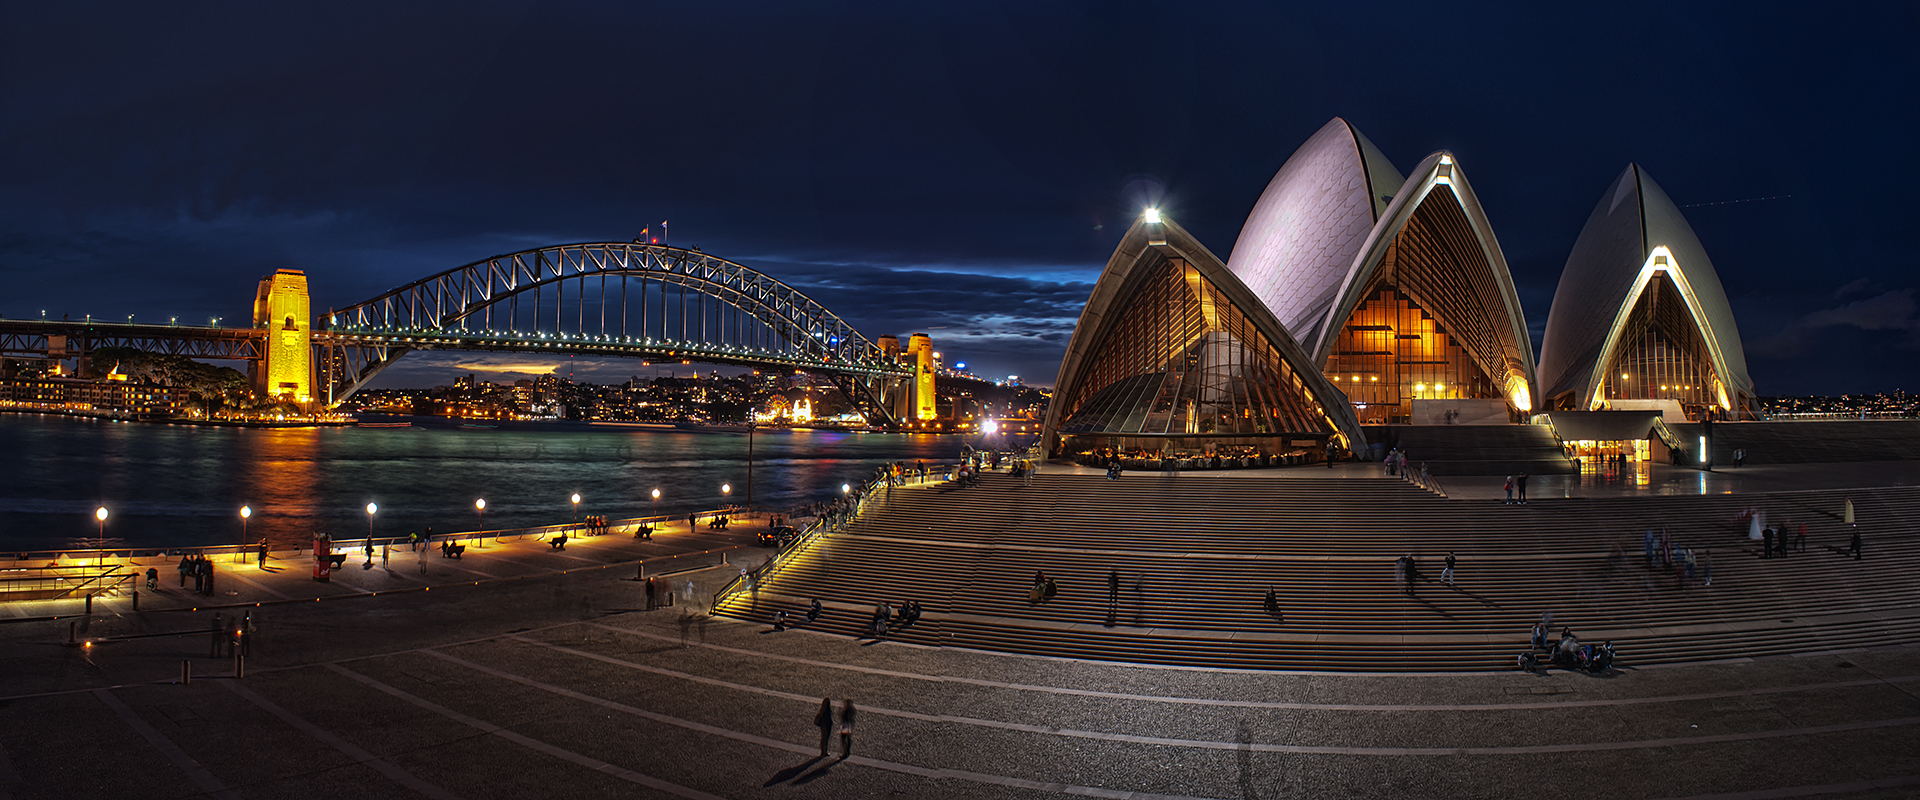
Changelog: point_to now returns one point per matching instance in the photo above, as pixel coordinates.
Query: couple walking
(824, 721)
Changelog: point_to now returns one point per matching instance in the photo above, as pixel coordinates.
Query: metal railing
(55, 582)
(244, 552)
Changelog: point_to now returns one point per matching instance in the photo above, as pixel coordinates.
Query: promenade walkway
(287, 575)
(557, 685)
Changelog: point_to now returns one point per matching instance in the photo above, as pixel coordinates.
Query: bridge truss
(58, 338)
(607, 298)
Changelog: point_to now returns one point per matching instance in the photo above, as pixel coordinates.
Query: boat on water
(653, 425)
(471, 425)
(712, 427)
(383, 424)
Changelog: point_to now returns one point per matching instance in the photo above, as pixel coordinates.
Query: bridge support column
(285, 369)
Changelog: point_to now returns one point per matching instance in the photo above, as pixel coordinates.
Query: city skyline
(963, 174)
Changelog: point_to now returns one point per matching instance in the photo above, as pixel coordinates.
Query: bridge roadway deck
(552, 683)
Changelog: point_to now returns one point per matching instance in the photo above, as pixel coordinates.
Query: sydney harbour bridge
(625, 299)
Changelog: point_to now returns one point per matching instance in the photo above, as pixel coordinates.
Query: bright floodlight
(372, 508)
(656, 494)
(480, 504)
(100, 513)
(726, 488)
(246, 511)
(990, 427)
(576, 497)
(845, 488)
(1153, 216)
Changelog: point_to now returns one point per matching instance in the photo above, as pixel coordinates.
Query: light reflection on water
(169, 485)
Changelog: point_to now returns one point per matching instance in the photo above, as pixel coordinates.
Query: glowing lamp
(1152, 216)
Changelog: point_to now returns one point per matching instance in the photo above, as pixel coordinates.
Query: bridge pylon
(282, 312)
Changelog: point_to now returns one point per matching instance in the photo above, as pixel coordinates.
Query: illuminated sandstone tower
(285, 370)
(920, 353)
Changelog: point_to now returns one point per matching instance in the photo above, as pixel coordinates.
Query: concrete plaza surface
(545, 682)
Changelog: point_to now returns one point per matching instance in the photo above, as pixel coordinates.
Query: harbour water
(182, 485)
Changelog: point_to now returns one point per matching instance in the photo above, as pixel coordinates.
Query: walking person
(263, 553)
(1447, 574)
(206, 567)
(1520, 487)
(1508, 486)
(1853, 543)
(193, 566)
(846, 730)
(824, 721)
(186, 566)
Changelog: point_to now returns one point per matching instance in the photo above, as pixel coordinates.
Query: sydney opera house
(1358, 296)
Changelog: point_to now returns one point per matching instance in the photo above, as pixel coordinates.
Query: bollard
(239, 665)
(89, 603)
(186, 672)
(73, 632)
(136, 599)
(639, 572)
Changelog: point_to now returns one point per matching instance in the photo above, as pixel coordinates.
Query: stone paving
(550, 678)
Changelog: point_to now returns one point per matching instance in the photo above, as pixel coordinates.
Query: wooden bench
(558, 542)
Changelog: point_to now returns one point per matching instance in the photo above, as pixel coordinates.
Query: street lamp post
(100, 543)
(480, 506)
(749, 462)
(245, 512)
(656, 501)
(371, 507)
(576, 507)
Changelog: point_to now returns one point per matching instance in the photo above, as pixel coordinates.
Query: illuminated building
(1173, 354)
(1395, 288)
(285, 370)
(1640, 321)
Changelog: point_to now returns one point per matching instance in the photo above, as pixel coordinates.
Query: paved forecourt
(560, 684)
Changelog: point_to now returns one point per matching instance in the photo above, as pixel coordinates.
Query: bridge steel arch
(755, 319)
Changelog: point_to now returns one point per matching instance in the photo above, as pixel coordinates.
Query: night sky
(961, 169)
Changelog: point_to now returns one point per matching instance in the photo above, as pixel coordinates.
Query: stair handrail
(820, 526)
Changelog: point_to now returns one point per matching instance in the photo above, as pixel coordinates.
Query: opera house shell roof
(1640, 313)
(1395, 285)
(1172, 346)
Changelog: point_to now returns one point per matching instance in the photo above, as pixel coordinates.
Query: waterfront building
(115, 396)
(1395, 287)
(1174, 357)
(1640, 321)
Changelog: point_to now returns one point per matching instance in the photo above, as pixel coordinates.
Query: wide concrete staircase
(1811, 442)
(1195, 556)
(1477, 449)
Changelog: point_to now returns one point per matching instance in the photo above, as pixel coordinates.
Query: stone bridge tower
(280, 308)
